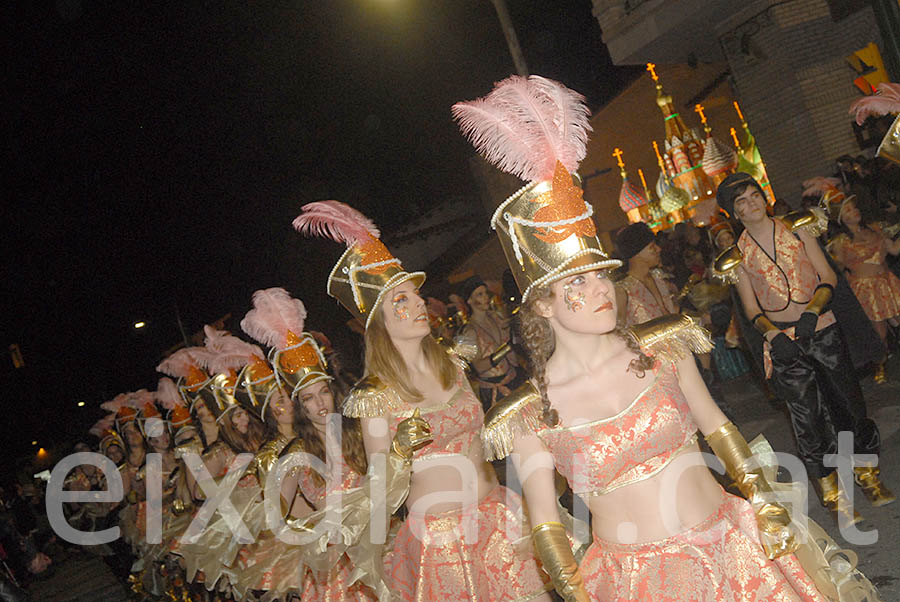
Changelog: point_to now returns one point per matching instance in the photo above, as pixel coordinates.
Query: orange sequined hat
(537, 129)
(277, 320)
(366, 270)
(185, 365)
(253, 376)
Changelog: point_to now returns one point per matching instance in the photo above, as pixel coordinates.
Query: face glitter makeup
(401, 308)
(574, 299)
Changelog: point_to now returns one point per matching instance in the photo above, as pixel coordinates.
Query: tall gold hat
(885, 101)
(277, 320)
(366, 270)
(537, 129)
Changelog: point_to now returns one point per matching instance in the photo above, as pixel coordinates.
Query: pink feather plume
(274, 313)
(103, 426)
(167, 394)
(227, 352)
(337, 221)
(819, 186)
(178, 364)
(885, 101)
(114, 404)
(524, 126)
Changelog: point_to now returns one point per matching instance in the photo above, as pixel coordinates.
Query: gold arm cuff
(819, 300)
(501, 353)
(763, 324)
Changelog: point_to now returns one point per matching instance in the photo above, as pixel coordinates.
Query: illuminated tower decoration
(749, 157)
(653, 208)
(632, 198)
(683, 151)
(719, 160)
(671, 198)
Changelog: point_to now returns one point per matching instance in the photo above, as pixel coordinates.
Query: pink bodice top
(790, 276)
(316, 490)
(853, 254)
(599, 456)
(455, 425)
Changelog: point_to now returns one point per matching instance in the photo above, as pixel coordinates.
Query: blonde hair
(384, 360)
(539, 340)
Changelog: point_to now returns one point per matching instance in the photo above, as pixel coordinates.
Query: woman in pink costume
(455, 543)
(615, 412)
(275, 566)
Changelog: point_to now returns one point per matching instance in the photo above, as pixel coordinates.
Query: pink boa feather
(819, 186)
(167, 394)
(178, 364)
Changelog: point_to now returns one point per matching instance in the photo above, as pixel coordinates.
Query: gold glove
(412, 433)
(773, 519)
(559, 562)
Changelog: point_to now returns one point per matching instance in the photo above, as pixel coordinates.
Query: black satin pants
(824, 398)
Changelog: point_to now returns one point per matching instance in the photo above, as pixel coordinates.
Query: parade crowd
(260, 469)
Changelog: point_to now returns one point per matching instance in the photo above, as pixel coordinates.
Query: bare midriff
(444, 482)
(670, 502)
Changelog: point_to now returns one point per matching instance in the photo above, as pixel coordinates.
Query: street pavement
(879, 561)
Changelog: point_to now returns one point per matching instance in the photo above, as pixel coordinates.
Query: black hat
(468, 287)
(632, 239)
(732, 187)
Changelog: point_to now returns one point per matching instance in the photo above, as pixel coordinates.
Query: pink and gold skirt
(718, 560)
(476, 553)
(275, 570)
(879, 295)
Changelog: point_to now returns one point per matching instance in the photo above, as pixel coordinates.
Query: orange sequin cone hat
(277, 320)
(537, 129)
(366, 270)
(243, 368)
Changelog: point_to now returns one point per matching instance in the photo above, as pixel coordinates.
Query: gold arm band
(820, 299)
(555, 553)
(501, 353)
(763, 324)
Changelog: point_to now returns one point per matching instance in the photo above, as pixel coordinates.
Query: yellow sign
(869, 67)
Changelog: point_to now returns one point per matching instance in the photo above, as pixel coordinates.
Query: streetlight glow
(34, 442)
(140, 324)
(80, 404)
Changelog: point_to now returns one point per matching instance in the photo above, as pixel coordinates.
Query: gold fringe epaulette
(369, 399)
(813, 221)
(462, 353)
(517, 413)
(724, 267)
(671, 337)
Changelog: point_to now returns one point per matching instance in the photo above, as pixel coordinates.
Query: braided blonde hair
(539, 340)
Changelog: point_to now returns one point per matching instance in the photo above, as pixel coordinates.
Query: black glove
(806, 325)
(783, 348)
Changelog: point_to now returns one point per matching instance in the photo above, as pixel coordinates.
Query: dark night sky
(160, 150)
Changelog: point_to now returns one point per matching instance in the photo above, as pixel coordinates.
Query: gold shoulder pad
(517, 413)
(370, 398)
(267, 456)
(725, 265)
(671, 337)
(294, 446)
(814, 221)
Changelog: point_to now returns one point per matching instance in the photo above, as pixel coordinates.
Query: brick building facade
(787, 61)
